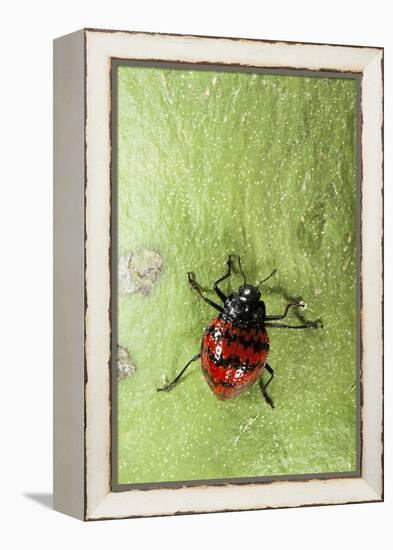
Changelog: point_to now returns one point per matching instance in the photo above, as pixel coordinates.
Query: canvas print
(235, 341)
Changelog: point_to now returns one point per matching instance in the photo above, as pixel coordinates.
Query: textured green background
(212, 163)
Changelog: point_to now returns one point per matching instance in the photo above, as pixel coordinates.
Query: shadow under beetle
(235, 344)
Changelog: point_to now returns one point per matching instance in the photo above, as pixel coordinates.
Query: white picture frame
(82, 241)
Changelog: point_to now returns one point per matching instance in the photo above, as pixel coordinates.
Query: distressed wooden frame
(82, 244)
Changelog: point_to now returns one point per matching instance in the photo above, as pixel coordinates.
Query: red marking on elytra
(229, 366)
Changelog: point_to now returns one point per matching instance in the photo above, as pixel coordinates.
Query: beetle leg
(170, 385)
(218, 291)
(308, 324)
(277, 317)
(263, 386)
(196, 287)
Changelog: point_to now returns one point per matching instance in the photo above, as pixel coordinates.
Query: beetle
(235, 344)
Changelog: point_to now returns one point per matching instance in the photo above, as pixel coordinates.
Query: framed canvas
(208, 192)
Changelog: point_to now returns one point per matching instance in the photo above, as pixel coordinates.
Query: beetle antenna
(241, 270)
(271, 275)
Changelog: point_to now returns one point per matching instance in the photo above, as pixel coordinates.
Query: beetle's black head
(249, 294)
(245, 306)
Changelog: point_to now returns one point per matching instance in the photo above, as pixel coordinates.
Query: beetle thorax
(245, 306)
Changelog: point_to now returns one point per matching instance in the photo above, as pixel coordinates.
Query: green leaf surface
(212, 163)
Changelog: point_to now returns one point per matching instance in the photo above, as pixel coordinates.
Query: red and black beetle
(235, 344)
